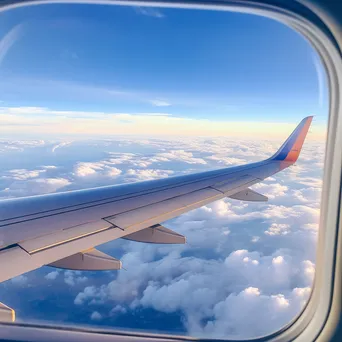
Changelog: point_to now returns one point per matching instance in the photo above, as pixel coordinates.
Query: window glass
(95, 95)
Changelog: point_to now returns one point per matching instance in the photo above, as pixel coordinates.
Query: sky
(208, 72)
(99, 95)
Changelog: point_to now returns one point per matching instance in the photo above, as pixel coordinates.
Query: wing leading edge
(62, 229)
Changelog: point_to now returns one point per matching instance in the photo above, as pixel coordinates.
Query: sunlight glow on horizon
(40, 121)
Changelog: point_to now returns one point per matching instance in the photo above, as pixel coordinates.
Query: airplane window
(205, 132)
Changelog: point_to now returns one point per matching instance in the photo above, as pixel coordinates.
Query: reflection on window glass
(95, 95)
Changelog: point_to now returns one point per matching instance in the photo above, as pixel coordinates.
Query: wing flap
(6, 313)
(249, 195)
(92, 260)
(156, 234)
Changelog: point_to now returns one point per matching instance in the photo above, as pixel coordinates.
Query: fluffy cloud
(90, 169)
(23, 174)
(247, 306)
(245, 282)
(74, 277)
(19, 280)
(223, 159)
(96, 316)
(147, 174)
(278, 229)
(178, 155)
(34, 187)
(272, 190)
(52, 275)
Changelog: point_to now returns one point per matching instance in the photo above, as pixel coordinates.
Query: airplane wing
(62, 229)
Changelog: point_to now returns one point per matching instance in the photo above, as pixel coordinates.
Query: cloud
(23, 174)
(62, 144)
(87, 169)
(9, 39)
(222, 159)
(32, 187)
(74, 277)
(278, 229)
(19, 280)
(179, 155)
(146, 174)
(52, 275)
(96, 316)
(176, 283)
(90, 169)
(247, 307)
(271, 190)
(160, 103)
(88, 292)
(149, 11)
(240, 259)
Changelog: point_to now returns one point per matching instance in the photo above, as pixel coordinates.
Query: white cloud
(52, 275)
(96, 316)
(19, 280)
(46, 185)
(118, 310)
(223, 159)
(307, 195)
(178, 155)
(147, 174)
(62, 144)
(272, 191)
(32, 187)
(149, 11)
(247, 306)
(23, 174)
(113, 171)
(160, 103)
(278, 229)
(9, 39)
(74, 277)
(87, 169)
(83, 169)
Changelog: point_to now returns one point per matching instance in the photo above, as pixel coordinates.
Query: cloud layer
(240, 258)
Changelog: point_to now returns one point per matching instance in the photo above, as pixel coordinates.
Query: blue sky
(185, 63)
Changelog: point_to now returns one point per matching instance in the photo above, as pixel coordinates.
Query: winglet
(291, 148)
